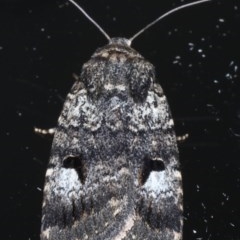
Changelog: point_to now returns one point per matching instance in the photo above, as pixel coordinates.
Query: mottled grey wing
(114, 169)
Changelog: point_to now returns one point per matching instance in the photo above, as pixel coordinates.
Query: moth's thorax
(118, 68)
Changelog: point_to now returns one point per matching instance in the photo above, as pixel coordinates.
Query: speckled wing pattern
(114, 170)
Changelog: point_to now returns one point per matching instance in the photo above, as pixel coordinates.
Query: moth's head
(120, 41)
(118, 49)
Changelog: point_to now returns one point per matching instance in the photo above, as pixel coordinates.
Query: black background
(197, 59)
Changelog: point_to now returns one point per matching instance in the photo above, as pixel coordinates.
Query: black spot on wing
(148, 166)
(77, 163)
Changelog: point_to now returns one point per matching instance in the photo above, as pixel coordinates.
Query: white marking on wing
(127, 227)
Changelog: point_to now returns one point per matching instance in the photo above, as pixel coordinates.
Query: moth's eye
(77, 163)
(150, 165)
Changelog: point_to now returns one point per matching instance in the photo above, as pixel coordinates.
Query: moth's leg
(182, 138)
(41, 131)
(51, 131)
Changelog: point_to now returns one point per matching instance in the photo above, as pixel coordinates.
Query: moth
(114, 170)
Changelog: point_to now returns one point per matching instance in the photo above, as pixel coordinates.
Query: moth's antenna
(165, 15)
(90, 19)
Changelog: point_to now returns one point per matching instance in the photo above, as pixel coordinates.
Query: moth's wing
(150, 184)
(63, 188)
(85, 196)
(160, 192)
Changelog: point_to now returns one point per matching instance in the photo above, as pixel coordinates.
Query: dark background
(197, 58)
